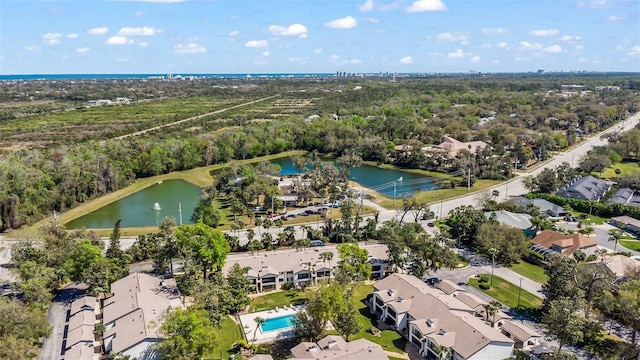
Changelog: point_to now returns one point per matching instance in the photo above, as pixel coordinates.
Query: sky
(317, 36)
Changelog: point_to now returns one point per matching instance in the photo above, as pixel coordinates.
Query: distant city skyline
(312, 36)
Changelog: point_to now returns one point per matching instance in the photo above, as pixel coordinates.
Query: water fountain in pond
(156, 207)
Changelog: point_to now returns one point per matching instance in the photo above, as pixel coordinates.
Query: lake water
(375, 178)
(136, 210)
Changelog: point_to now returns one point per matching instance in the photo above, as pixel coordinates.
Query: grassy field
(626, 168)
(277, 299)
(530, 271)
(591, 219)
(633, 245)
(507, 293)
(435, 196)
(230, 333)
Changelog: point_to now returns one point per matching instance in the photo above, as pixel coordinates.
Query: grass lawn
(626, 168)
(277, 299)
(591, 219)
(230, 333)
(507, 293)
(434, 196)
(633, 245)
(530, 271)
(389, 340)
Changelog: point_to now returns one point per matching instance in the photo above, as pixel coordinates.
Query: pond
(375, 178)
(137, 210)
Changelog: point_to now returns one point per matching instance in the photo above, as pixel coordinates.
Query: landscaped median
(507, 293)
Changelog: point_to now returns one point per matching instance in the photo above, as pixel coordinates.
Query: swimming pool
(277, 323)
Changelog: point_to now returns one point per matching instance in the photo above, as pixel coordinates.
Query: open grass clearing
(626, 168)
(530, 271)
(230, 333)
(278, 299)
(507, 293)
(633, 245)
(590, 219)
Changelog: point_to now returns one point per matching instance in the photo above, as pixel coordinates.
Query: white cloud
(634, 51)
(122, 59)
(544, 32)
(265, 53)
(260, 62)
(454, 37)
(72, 36)
(406, 60)
(335, 57)
(614, 18)
(234, 33)
(434, 54)
(139, 31)
(317, 51)
(367, 6)
(390, 6)
(139, 13)
(291, 30)
(302, 36)
(475, 59)
(578, 47)
(343, 23)
(525, 45)
(256, 43)
(554, 49)
(458, 54)
(371, 20)
(98, 31)
(502, 45)
(355, 61)
(494, 31)
(296, 59)
(51, 38)
(582, 60)
(118, 40)
(143, 44)
(189, 49)
(427, 5)
(486, 46)
(595, 4)
(31, 47)
(82, 50)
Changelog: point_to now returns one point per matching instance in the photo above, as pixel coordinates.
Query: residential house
(269, 270)
(429, 317)
(625, 196)
(545, 207)
(79, 343)
(523, 335)
(453, 147)
(334, 347)
(288, 200)
(515, 220)
(585, 188)
(550, 242)
(619, 265)
(134, 313)
(627, 223)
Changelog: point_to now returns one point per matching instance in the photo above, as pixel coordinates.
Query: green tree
(206, 212)
(562, 323)
(115, 250)
(239, 287)
(464, 222)
(168, 245)
(82, 257)
(354, 263)
(202, 245)
(346, 320)
(101, 273)
(188, 335)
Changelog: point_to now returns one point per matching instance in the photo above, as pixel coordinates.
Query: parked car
(288, 228)
(430, 224)
(291, 216)
(317, 243)
(304, 213)
(272, 216)
(432, 281)
(335, 205)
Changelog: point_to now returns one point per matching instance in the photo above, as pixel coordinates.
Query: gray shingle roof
(518, 221)
(586, 188)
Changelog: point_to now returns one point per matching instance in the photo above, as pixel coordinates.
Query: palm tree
(490, 310)
(327, 256)
(258, 223)
(259, 321)
(495, 194)
(616, 234)
(442, 352)
(492, 252)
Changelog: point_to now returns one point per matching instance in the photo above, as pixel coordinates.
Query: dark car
(317, 243)
(291, 216)
(430, 224)
(432, 281)
(288, 228)
(304, 213)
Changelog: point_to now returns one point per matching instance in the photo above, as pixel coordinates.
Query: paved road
(601, 236)
(53, 346)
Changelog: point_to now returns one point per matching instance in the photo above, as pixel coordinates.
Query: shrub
(287, 286)
(484, 286)
(484, 278)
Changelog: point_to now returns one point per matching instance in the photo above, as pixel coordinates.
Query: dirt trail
(188, 119)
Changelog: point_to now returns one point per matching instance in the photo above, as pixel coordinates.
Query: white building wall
(493, 351)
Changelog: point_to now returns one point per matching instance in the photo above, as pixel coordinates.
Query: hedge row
(588, 206)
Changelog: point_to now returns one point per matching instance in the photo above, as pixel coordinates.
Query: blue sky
(297, 36)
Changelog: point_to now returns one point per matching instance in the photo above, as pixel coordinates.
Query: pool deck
(249, 325)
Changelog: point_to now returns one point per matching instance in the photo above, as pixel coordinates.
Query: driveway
(53, 346)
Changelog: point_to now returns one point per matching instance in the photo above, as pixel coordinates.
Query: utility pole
(441, 200)
(469, 181)
(394, 195)
(180, 212)
(506, 191)
(519, 291)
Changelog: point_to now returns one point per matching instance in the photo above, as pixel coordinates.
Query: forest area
(58, 153)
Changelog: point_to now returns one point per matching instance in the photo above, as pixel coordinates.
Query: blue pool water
(278, 323)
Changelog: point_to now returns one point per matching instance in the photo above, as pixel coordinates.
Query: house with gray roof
(585, 188)
(545, 207)
(515, 220)
(625, 196)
